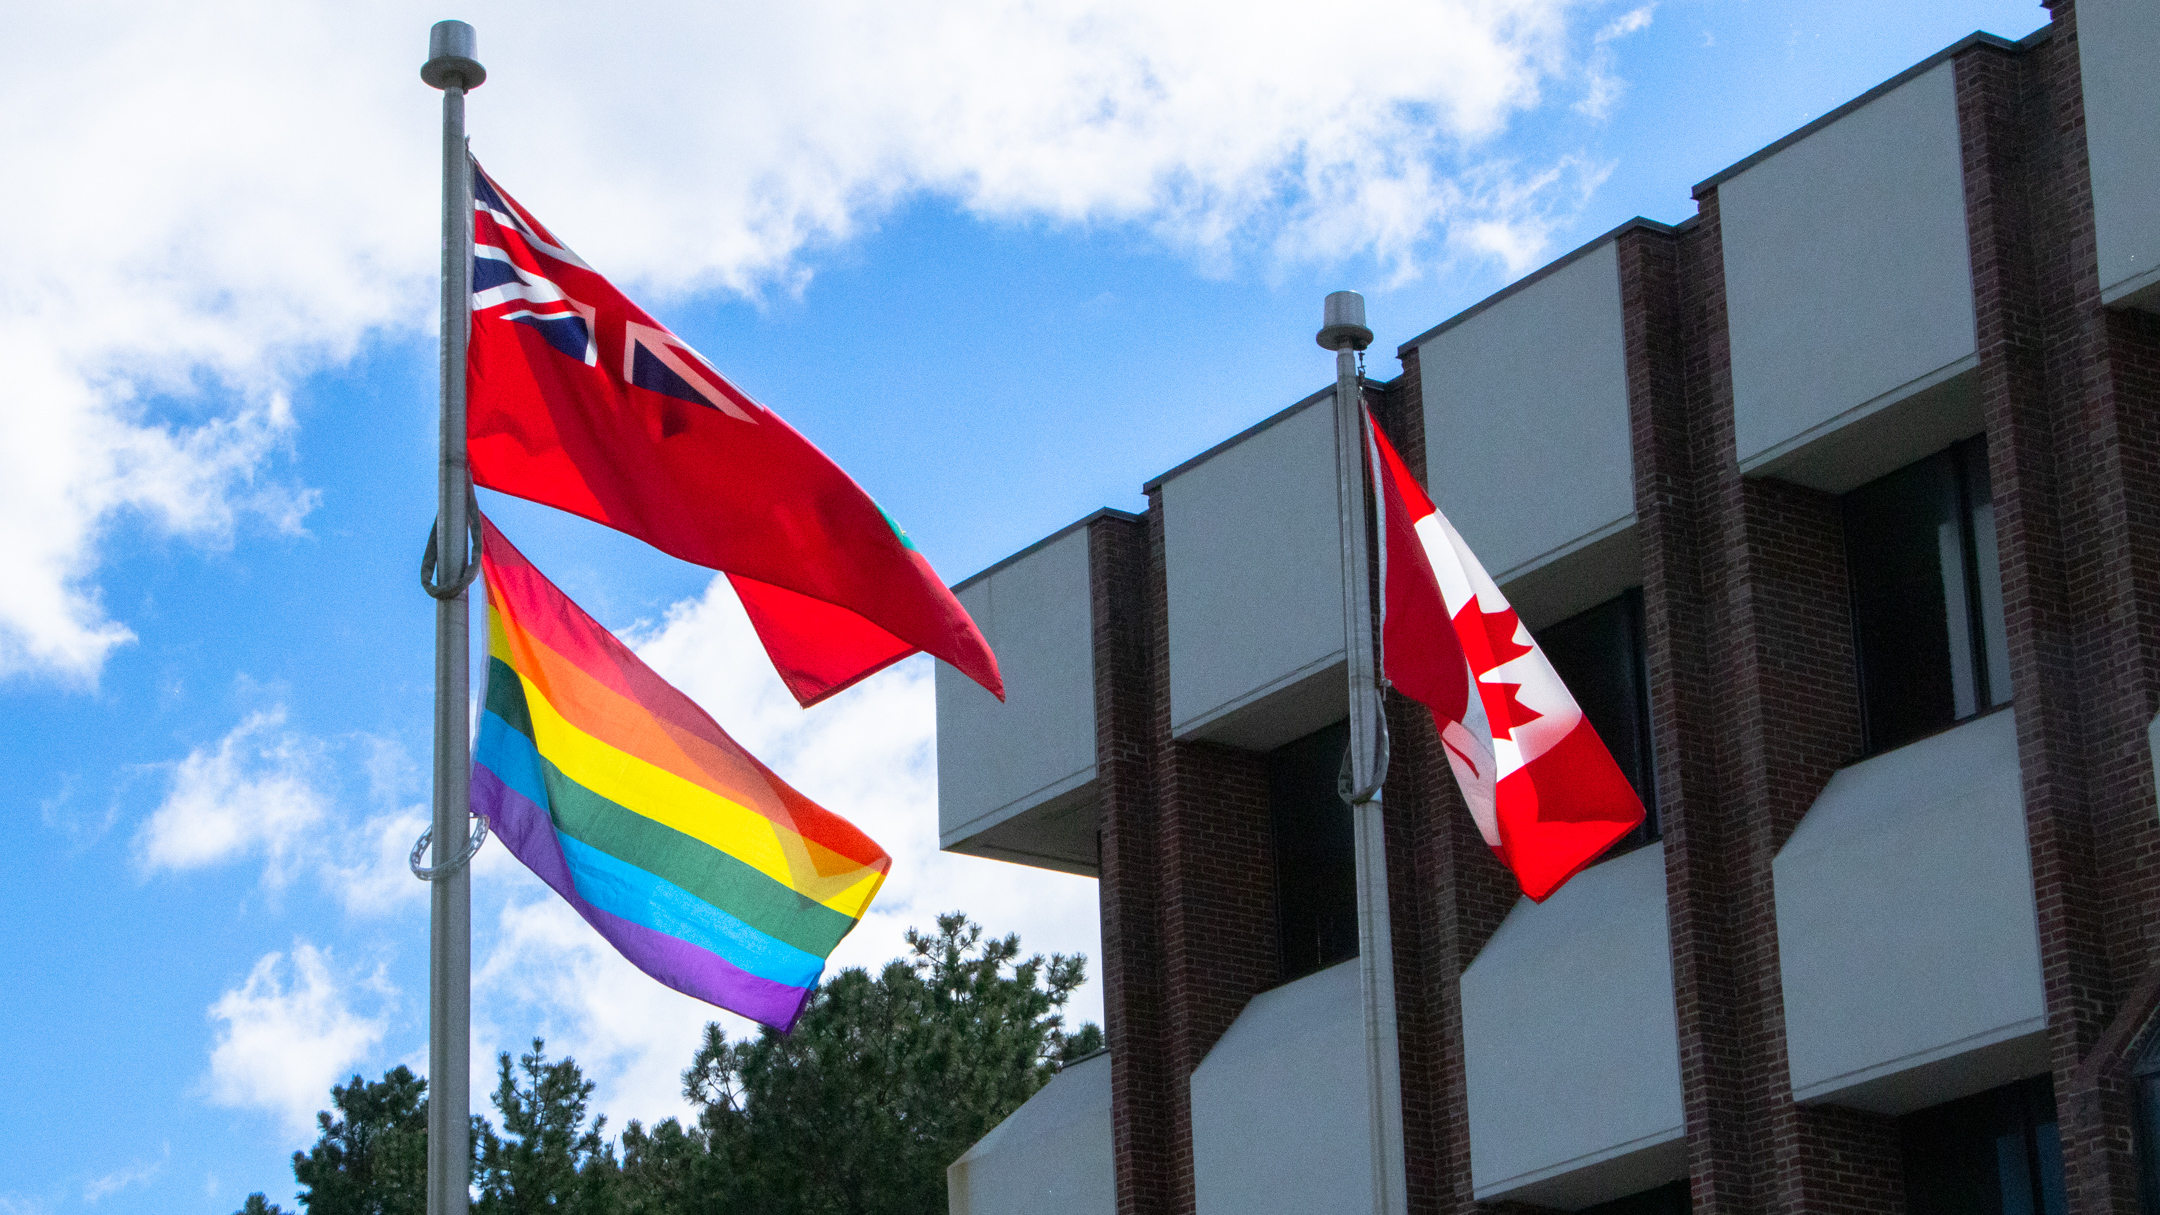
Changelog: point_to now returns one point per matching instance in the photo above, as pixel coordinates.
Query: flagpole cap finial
(1344, 325)
(452, 49)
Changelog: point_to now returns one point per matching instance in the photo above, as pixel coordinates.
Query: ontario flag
(1543, 789)
(579, 400)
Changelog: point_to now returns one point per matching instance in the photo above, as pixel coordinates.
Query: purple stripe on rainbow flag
(529, 833)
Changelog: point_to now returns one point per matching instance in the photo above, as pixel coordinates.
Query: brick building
(1839, 506)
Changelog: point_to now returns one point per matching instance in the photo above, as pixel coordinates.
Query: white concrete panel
(1848, 279)
(1604, 564)
(2152, 744)
(1572, 1046)
(1526, 416)
(1012, 777)
(2119, 58)
(1907, 940)
(1868, 445)
(1253, 562)
(1051, 1157)
(1279, 1117)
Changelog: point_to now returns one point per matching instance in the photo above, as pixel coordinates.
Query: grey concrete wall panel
(1016, 780)
(1052, 1156)
(1907, 941)
(1582, 577)
(1278, 1106)
(1848, 281)
(1874, 442)
(1526, 418)
(2119, 58)
(1254, 571)
(1571, 1046)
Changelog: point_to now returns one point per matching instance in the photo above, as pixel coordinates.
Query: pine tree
(372, 1158)
(883, 1082)
(548, 1158)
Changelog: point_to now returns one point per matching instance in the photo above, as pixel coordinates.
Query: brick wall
(1421, 979)
(1678, 366)
(2069, 396)
(1187, 889)
(1131, 938)
(1754, 705)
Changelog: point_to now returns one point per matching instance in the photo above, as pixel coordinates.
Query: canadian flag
(1545, 792)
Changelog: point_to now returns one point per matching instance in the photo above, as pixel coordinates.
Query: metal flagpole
(1365, 767)
(452, 67)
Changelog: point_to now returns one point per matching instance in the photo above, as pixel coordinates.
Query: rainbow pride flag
(706, 870)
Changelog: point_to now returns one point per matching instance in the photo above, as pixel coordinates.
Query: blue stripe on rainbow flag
(511, 757)
(622, 889)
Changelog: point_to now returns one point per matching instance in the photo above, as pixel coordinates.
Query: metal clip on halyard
(428, 562)
(472, 560)
(428, 873)
(1346, 783)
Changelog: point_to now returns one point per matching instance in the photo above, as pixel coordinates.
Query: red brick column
(1408, 814)
(1677, 367)
(1754, 704)
(1140, 1115)
(2004, 226)
(1796, 685)
(1215, 888)
(2069, 394)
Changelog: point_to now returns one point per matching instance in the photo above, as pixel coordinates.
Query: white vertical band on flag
(1537, 687)
(1468, 742)
(1542, 789)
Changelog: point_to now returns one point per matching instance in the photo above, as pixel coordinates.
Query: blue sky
(1003, 267)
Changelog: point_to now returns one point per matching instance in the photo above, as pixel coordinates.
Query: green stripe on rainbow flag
(689, 863)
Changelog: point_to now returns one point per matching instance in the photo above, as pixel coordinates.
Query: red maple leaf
(1503, 704)
(1500, 630)
(1488, 642)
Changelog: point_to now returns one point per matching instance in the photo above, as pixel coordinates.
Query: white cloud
(74, 454)
(219, 197)
(82, 825)
(252, 793)
(1538, 204)
(260, 793)
(1220, 126)
(121, 1178)
(287, 1034)
(370, 872)
(368, 865)
(1603, 85)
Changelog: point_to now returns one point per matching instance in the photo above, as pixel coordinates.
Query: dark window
(2146, 1078)
(1315, 853)
(1996, 1153)
(1672, 1198)
(1927, 596)
(1599, 656)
